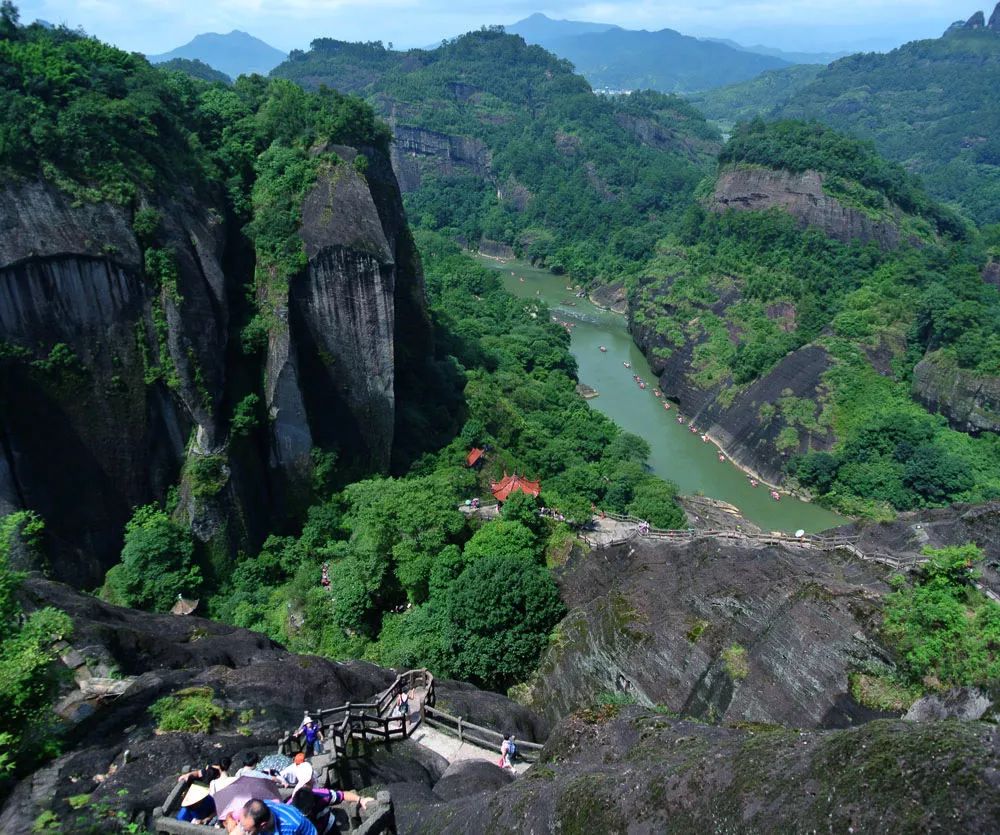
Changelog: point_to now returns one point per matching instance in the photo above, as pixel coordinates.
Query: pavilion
(514, 484)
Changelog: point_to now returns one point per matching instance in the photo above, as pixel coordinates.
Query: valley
(395, 367)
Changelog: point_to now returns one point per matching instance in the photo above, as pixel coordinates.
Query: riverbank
(676, 453)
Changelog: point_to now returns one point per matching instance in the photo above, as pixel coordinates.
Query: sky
(154, 26)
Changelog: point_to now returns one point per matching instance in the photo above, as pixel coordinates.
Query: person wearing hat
(312, 734)
(298, 773)
(198, 804)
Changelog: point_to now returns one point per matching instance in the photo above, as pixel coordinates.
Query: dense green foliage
(930, 105)
(157, 563)
(27, 675)
(98, 120)
(566, 166)
(191, 710)
(413, 582)
(196, 69)
(757, 96)
(946, 631)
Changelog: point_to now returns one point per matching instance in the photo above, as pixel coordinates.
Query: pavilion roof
(474, 455)
(512, 484)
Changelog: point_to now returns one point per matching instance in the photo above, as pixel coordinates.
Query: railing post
(459, 728)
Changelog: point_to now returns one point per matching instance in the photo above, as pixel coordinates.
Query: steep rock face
(977, 21)
(264, 688)
(417, 152)
(994, 23)
(639, 771)
(72, 280)
(801, 195)
(970, 401)
(715, 631)
(747, 424)
(330, 370)
(664, 138)
(120, 373)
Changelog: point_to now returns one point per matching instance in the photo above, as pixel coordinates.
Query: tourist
(297, 773)
(508, 750)
(197, 805)
(249, 767)
(315, 804)
(273, 818)
(312, 733)
(403, 703)
(209, 772)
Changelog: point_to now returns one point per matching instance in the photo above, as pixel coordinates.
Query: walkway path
(447, 745)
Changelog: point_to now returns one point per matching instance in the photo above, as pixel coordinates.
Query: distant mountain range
(623, 59)
(235, 53)
(791, 57)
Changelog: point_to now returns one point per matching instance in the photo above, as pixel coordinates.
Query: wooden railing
(365, 720)
(476, 734)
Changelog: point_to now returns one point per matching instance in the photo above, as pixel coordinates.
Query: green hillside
(196, 69)
(568, 166)
(746, 289)
(756, 97)
(931, 105)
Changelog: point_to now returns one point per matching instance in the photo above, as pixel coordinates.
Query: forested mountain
(235, 53)
(498, 140)
(758, 96)
(931, 105)
(815, 299)
(196, 69)
(539, 28)
(625, 59)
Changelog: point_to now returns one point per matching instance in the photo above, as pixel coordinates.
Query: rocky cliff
(716, 631)
(117, 366)
(748, 422)
(418, 153)
(639, 771)
(746, 188)
(106, 371)
(970, 401)
(123, 660)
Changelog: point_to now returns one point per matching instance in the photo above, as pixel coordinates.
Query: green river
(677, 454)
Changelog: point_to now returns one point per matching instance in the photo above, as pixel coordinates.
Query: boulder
(969, 703)
(491, 710)
(467, 777)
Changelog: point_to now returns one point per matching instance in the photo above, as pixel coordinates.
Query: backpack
(511, 750)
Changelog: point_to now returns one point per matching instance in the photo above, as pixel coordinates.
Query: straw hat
(196, 793)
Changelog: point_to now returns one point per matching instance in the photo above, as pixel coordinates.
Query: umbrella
(242, 789)
(274, 762)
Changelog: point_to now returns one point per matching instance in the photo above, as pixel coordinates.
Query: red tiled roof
(474, 455)
(512, 484)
